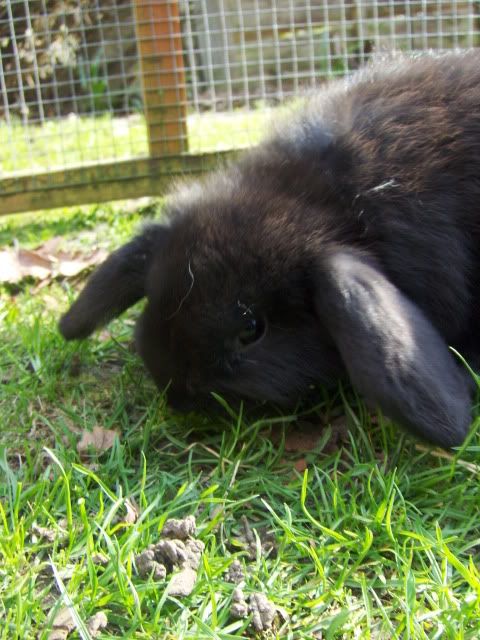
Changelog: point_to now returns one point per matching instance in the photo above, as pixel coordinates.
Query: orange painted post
(163, 75)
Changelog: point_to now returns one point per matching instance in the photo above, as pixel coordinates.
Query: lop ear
(117, 284)
(393, 354)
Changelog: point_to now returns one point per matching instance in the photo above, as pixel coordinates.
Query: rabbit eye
(252, 331)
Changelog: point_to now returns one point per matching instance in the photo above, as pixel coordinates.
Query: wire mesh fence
(104, 99)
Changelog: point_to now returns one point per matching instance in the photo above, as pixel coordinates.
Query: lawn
(348, 527)
(82, 140)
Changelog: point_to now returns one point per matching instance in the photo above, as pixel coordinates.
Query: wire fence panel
(68, 74)
(104, 99)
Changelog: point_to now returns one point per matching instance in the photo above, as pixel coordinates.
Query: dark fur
(354, 230)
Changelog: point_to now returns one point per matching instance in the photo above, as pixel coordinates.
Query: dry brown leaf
(303, 436)
(18, 264)
(301, 465)
(99, 440)
(71, 265)
(50, 246)
(45, 262)
(9, 268)
(133, 511)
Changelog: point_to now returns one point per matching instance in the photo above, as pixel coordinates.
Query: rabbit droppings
(346, 243)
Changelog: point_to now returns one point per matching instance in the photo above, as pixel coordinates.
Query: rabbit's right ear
(117, 284)
(394, 355)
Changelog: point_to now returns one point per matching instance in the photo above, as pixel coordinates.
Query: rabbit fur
(347, 243)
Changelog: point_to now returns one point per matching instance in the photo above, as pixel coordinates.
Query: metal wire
(97, 81)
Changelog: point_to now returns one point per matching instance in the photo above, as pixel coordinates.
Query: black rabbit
(348, 242)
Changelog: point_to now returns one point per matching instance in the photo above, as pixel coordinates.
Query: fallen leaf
(133, 511)
(72, 265)
(300, 465)
(21, 263)
(302, 436)
(45, 262)
(50, 246)
(99, 440)
(9, 267)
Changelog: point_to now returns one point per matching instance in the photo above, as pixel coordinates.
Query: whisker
(192, 277)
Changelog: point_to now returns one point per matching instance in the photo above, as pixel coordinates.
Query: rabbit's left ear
(117, 284)
(394, 356)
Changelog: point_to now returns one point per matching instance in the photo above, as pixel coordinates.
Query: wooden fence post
(163, 75)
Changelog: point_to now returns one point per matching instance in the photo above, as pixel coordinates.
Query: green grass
(78, 140)
(379, 538)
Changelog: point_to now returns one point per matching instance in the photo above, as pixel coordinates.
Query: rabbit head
(245, 299)
(227, 310)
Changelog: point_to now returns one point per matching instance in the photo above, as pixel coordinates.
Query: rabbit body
(347, 243)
